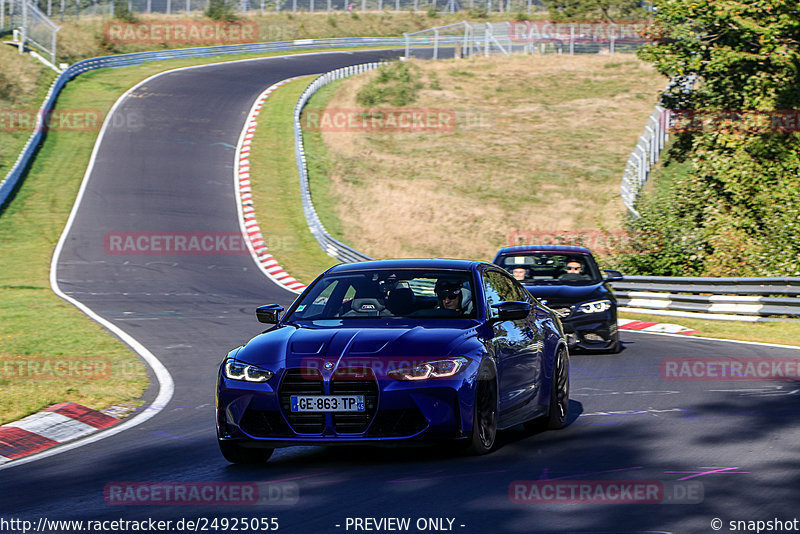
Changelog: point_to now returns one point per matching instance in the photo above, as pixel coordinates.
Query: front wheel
(236, 454)
(484, 417)
(559, 392)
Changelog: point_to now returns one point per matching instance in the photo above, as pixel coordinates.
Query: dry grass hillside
(539, 144)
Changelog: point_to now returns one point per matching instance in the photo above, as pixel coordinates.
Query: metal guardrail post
(24, 28)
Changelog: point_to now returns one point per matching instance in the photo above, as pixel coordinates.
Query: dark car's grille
(398, 423)
(355, 381)
(264, 424)
(302, 382)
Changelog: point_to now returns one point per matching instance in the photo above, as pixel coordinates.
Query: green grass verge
(37, 326)
(781, 333)
(23, 85)
(276, 190)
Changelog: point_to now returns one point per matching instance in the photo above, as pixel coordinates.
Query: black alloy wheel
(484, 418)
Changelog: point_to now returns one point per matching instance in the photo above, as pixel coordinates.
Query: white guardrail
(742, 299)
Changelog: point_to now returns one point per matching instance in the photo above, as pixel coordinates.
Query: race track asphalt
(166, 166)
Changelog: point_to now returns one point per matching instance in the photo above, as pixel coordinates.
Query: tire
(559, 392)
(616, 347)
(484, 417)
(236, 454)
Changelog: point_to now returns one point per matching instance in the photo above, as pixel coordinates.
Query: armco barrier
(11, 180)
(331, 246)
(745, 299)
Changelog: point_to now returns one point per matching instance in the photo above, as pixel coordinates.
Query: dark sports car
(395, 352)
(567, 280)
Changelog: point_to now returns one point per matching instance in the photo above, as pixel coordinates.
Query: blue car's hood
(345, 345)
(567, 293)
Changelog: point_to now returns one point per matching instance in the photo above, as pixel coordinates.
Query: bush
(220, 10)
(121, 12)
(397, 84)
(478, 13)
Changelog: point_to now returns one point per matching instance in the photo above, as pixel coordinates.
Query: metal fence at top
(531, 37)
(80, 8)
(35, 29)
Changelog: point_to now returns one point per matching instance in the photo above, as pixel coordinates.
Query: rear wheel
(236, 454)
(484, 417)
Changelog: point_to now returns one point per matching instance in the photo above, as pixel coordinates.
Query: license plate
(327, 403)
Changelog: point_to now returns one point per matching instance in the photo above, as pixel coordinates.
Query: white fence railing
(529, 37)
(35, 29)
(644, 156)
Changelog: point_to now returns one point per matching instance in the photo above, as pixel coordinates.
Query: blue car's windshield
(388, 293)
(547, 268)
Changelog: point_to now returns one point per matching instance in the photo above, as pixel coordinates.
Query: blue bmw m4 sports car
(392, 352)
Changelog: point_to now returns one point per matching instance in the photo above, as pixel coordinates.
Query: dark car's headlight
(249, 373)
(597, 306)
(444, 368)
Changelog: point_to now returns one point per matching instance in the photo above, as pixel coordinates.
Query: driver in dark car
(574, 272)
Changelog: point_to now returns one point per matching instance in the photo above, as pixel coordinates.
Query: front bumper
(399, 412)
(592, 331)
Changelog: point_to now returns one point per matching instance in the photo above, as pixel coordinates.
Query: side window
(500, 288)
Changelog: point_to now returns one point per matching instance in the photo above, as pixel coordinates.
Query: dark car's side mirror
(511, 310)
(613, 276)
(270, 313)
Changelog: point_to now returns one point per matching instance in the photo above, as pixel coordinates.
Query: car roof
(552, 249)
(411, 263)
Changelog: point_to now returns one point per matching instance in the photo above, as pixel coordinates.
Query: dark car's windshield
(548, 268)
(388, 293)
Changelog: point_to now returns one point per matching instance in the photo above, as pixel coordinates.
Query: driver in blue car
(453, 296)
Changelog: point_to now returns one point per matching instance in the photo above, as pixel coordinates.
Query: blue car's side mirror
(270, 314)
(511, 310)
(613, 276)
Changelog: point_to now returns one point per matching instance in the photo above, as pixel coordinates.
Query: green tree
(739, 202)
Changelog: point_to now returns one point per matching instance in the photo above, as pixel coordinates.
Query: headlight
(598, 306)
(434, 369)
(249, 373)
